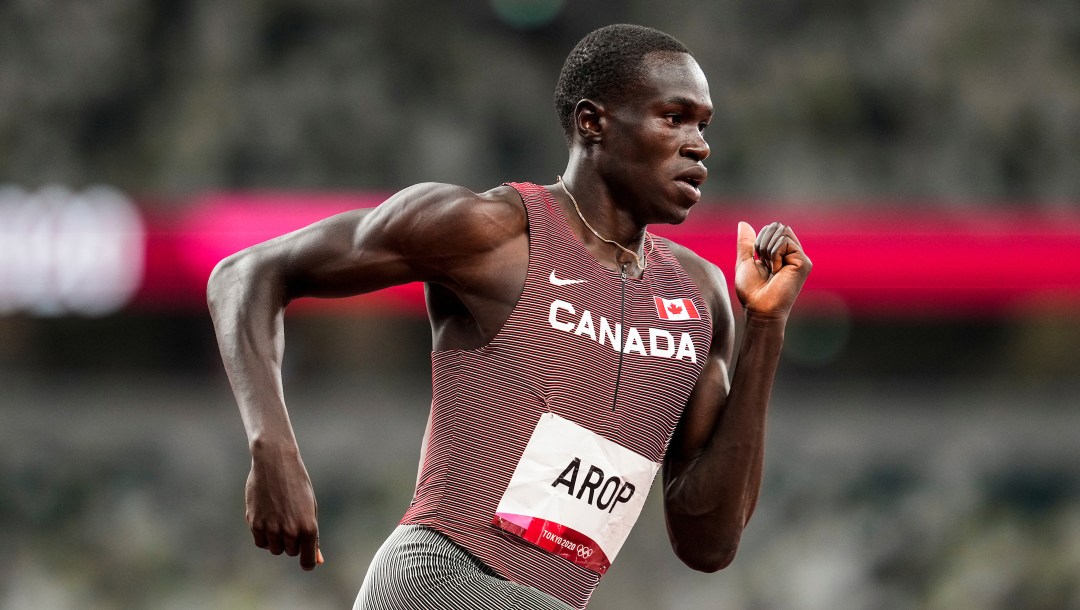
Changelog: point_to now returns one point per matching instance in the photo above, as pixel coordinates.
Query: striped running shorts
(418, 568)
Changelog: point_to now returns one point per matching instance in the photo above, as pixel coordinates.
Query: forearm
(247, 302)
(710, 496)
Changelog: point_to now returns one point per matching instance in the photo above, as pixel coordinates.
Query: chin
(681, 217)
(675, 216)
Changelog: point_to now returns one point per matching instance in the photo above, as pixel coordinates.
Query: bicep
(708, 398)
(344, 255)
(405, 239)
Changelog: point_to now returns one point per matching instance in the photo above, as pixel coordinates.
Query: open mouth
(689, 187)
(690, 184)
(694, 182)
(693, 177)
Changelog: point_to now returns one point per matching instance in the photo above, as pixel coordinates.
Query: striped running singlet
(558, 352)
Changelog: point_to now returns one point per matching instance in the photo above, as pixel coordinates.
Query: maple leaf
(674, 309)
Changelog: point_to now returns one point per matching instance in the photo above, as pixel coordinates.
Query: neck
(600, 207)
(637, 253)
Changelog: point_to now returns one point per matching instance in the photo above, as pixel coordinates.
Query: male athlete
(574, 352)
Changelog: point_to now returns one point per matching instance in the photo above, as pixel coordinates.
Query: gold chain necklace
(642, 264)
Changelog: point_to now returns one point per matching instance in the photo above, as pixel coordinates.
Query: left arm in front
(713, 468)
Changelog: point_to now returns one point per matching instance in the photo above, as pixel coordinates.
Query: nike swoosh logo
(561, 282)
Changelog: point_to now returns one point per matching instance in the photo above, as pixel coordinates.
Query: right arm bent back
(425, 233)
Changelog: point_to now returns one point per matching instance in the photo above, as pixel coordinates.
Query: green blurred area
(956, 102)
(916, 463)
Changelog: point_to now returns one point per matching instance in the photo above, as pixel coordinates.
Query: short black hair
(605, 66)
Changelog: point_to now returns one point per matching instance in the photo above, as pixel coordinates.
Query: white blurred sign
(68, 253)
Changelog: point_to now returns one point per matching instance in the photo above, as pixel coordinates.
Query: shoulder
(709, 279)
(460, 199)
(446, 215)
(447, 233)
(707, 276)
(448, 208)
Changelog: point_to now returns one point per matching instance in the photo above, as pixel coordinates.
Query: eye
(702, 126)
(674, 118)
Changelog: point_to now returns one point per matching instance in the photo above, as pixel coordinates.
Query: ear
(588, 123)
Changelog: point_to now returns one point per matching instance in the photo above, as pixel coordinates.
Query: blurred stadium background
(925, 430)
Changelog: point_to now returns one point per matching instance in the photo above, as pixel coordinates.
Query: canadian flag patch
(676, 309)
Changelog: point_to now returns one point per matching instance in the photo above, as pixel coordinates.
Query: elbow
(235, 280)
(223, 276)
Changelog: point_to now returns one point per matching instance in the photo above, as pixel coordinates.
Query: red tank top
(555, 354)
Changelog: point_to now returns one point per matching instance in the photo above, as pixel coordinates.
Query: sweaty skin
(630, 165)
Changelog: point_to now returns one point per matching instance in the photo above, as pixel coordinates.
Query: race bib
(575, 494)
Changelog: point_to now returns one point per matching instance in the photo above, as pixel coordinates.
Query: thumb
(745, 246)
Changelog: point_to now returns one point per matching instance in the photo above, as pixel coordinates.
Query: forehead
(667, 75)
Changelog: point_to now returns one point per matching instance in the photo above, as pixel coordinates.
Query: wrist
(766, 319)
(764, 332)
(265, 446)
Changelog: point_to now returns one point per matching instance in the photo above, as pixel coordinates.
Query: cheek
(642, 148)
(653, 147)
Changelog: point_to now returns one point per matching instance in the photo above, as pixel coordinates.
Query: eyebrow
(684, 101)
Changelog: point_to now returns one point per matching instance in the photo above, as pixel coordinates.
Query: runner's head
(606, 66)
(635, 104)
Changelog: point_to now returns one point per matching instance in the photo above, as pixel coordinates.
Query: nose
(696, 147)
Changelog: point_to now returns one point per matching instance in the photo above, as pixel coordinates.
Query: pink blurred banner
(898, 260)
